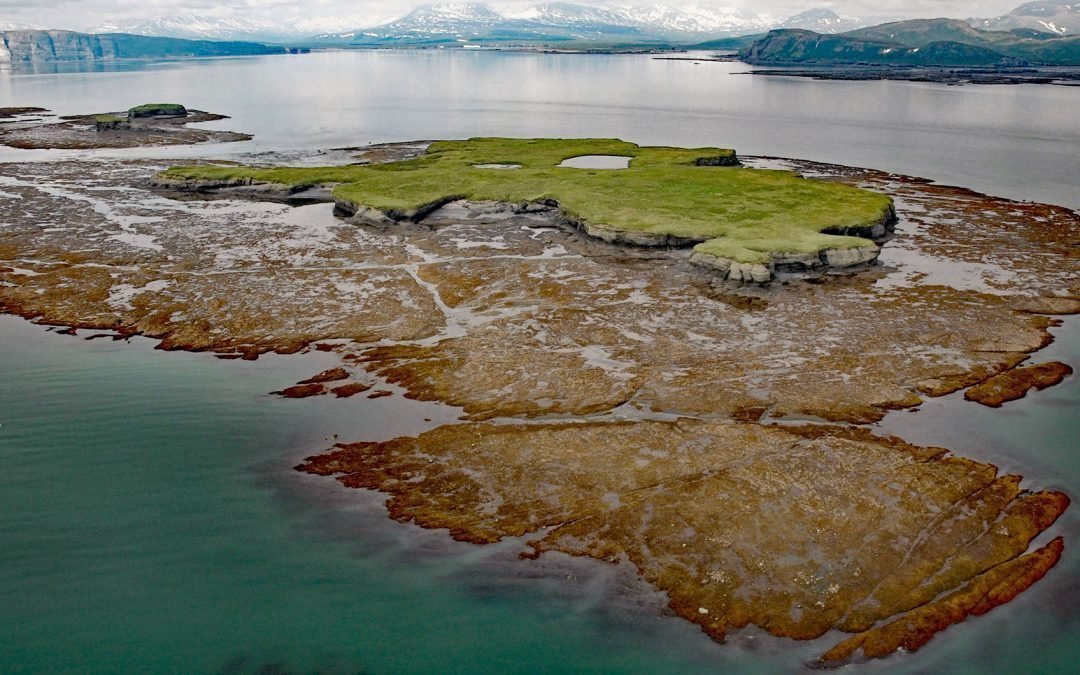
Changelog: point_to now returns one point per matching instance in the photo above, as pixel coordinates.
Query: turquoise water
(1037, 437)
(151, 521)
(152, 524)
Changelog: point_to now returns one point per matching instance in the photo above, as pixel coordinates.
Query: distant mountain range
(563, 22)
(1035, 33)
(194, 27)
(917, 42)
(554, 22)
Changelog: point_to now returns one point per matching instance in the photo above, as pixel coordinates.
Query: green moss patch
(738, 213)
(158, 109)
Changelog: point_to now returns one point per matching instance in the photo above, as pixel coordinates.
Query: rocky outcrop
(784, 261)
(733, 270)
(367, 215)
(850, 257)
(877, 229)
(730, 159)
(149, 110)
(236, 187)
(7, 114)
(836, 258)
(351, 389)
(116, 130)
(331, 375)
(302, 391)
(1016, 383)
(631, 237)
(110, 123)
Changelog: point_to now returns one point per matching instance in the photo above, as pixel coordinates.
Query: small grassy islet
(737, 213)
(155, 109)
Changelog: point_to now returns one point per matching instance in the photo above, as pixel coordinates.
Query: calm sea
(150, 519)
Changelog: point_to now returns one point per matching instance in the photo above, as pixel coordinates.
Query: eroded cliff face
(35, 46)
(24, 46)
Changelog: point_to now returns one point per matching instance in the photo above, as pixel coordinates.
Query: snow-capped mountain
(458, 20)
(821, 21)
(561, 21)
(11, 25)
(550, 22)
(698, 19)
(194, 27)
(657, 19)
(570, 14)
(191, 26)
(1061, 17)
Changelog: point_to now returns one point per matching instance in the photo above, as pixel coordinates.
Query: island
(144, 125)
(744, 223)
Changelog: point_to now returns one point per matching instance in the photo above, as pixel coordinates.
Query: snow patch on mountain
(1061, 17)
(822, 20)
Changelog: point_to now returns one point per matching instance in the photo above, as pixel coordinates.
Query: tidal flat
(617, 403)
(149, 125)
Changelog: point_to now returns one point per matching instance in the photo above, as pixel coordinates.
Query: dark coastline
(1065, 76)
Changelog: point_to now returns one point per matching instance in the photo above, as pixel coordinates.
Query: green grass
(108, 119)
(152, 109)
(739, 213)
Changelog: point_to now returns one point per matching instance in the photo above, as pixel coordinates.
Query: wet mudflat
(619, 403)
(35, 128)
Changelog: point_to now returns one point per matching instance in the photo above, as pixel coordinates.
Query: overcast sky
(84, 14)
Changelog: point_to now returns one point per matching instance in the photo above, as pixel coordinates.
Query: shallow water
(602, 162)
(152, 524)
(151, 519)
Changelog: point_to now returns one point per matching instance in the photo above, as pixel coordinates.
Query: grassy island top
(738, 213)
(155, 109)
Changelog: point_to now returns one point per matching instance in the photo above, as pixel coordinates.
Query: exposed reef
(7, 114)
(798, 530)
(30, 130)
(620, 402)
(1016, 383)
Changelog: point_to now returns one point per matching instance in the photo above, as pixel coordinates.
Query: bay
(151, 520)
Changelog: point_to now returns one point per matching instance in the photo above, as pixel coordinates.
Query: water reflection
(1016, 141)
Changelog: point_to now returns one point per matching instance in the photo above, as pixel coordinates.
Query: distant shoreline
(1068, 76)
